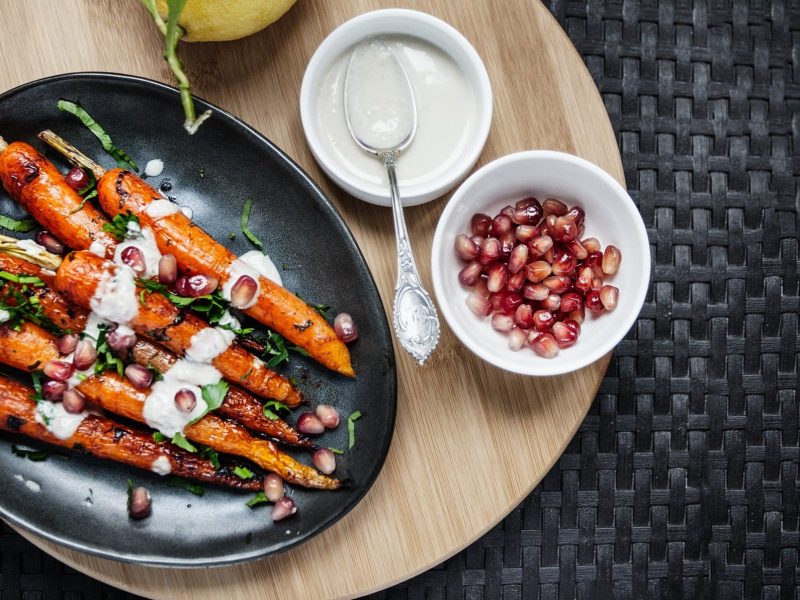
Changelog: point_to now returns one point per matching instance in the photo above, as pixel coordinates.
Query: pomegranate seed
(535, 291)
(611, 259)
(608, 296)
(273, 487)
(518, 258)
(139, 376)
(548, 256)
(324, 460)
(185, 400)
(479, 305)
(490, 251)
(578, 250)
(583, 283)
(469, 274)
(53, 390)
(595, 262)
(309, 423)
(564, 336)
(77, 178)
(515, 281)
(501, 225)
(538, 271)
(284, 507)
(509, 301)
(574, 325)
(551, 206)
(591, 244)
(85, 355)
(552, 302)
(558, 283)
(544, 344)
(571, 301)
(523, 318)
(564, 262)
(577, 315)
(581, 230)
(528, 212)
(540, 245)
(508, 211)
(121, 339)
(497, 277)
(477, 239)
(167, 269)
(58, 370)
(49, 242)
(575, 214)
(466, 248)
(516, 339)
(196, 285)
(525, 233)
(480, 288)
(243, 292)
(140, 503)
(67, 343)
(593, 302)
(494, 300)
(543, 320)
(73, 402)
(328, 416)
(134, 258)
(550, 225)
(565, 230)
(507, 243)
(597, 283)
(503, 322)
(481, 224)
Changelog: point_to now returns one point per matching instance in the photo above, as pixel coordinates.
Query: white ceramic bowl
(611, 217)
(405, 22)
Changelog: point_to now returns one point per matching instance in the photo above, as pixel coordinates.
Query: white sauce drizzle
(115, 297)
(4, 316)
(187, 211)
(207, 344)
(254, 264)
(57, 420)
(99, 248)
(161, 465)
(158, 209)
(263, 264)
(31, 247)
(33, 486)
(154, 167)
(145, 241)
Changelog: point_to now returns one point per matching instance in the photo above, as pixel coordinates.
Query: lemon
(222, 20)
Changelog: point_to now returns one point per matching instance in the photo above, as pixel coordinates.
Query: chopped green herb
(159, 437)
(23, 226)
(21, 302)
(193, 488)
(32, 455)
(236, 330)
(212, 456)
(88, 193)
(231, 236)
(181, 442)
(257, 500)
(213, 395)
(246, 375)
(118, 227)
(248, 205)
(351, 428)
(157, 375)
(243, 473)
(106, 359)
(36, 376)
(202, 172)
(212, 306)
(336, 450)
(81, 376)
(271, 414)
(118, 154)
(130, 489)
(141, 298)
(320, 308)
(293, 381)
(299, 350)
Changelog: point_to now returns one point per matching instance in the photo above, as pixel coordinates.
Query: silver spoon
(381, 115)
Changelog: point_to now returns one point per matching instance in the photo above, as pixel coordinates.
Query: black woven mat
(683, 481)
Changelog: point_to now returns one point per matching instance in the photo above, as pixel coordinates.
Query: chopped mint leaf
(257, 500)
(181, 442)
(118, 154)
(243, 473)
(23, 226)
(351, 428)
(248, 205)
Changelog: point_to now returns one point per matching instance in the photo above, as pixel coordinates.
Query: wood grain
(471, 441)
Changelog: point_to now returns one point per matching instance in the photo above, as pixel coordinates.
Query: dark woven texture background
(683, 481)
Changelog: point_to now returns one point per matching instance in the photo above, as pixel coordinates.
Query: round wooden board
(471, 441)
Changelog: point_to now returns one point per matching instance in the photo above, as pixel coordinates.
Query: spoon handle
(416, 322)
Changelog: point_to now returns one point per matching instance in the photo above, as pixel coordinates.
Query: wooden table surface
(471, 441)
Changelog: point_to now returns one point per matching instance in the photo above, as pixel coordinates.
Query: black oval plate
(82, 502)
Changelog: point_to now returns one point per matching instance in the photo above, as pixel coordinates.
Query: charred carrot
(77, 280)
(117, 395)
(27, 348)
(107, 439)
(36, 185)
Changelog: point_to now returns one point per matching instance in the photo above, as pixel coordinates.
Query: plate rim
(327, 204)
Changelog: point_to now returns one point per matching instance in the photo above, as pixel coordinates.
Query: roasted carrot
(36, 184)
(27, 348)
(120, 192)
(238, 404)
(117, 395)
(104, 438)
(77, 279)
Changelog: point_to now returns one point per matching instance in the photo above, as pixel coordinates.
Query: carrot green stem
(71, 153)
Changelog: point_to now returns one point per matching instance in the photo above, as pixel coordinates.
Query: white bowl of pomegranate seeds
(540, 263)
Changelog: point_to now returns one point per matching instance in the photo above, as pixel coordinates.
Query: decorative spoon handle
(416, 322)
